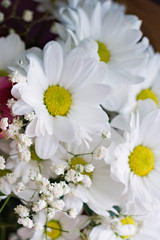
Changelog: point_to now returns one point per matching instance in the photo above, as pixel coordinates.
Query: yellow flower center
(34, 155)
(80, 161)
(57, 100)
(3, 73)
(54, 229)
(141, 160)
(103, 52)
(125, 221)
(147, 93)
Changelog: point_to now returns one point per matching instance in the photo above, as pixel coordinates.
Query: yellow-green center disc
(147, 93)
(57, 100)
(141, 160)
(77, 160)
(125, 221)
(103, 52)
(54, 229)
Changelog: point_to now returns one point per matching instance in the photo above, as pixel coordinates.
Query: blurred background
(149, 12)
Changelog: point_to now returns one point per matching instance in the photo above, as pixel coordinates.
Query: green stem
(4, 204)
(3, 233)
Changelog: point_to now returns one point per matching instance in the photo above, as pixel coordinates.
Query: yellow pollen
(125, 221)
(141, 160)
(34, 155)
(147, 93)
(3, 73)
(54, 229)
(103, 52)
(75, 161)
(57, 100)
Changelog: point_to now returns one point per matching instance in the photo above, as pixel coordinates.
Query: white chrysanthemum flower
(93, 183)
(60, 92)
(136, 161)
(118, 43)
(60, 227)
(150, 88)
(10, 47)
(129, 228)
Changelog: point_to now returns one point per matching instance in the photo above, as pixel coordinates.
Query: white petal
(32, 96)
(35, 76)
(46, 146)
(94, 94)
(72, 67)
(64, 130)
(30, 130)
(21, 108)
(53, 62)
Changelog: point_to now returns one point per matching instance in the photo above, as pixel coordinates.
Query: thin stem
(4, 204)
(3, 233)
(57, 229)
(83, 154)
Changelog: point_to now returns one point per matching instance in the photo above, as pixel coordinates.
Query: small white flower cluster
(2, 163)
(23, 144)
(14, 128)
(28, 15)
(16, 77)
(30, 116)
(4, 123)
(79, 175)
(10, 102)
(50, 194)
(20, 187)
(100, 153)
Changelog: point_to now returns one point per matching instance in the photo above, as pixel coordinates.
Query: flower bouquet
(80, 123)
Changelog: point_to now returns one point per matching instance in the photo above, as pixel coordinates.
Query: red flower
(5, 94)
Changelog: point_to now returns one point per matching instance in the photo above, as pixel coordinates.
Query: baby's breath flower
(15, 77)
(38, 206)
(89, 168)
(1, 17)
(27, 15)
(72, 212)
(2, 163)
(22, 211)
(4, 123)
(20, 187)
(6, 3)
(26, 222)
(30, 116)
(100, 153)
(11, 178)
(10, 102)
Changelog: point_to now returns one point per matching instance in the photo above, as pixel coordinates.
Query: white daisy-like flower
(136, 160)
(118, 43)
(129, 228)
(150, 88)
(60, 91)
(95, 186)
(60, 228)
(10, 47)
